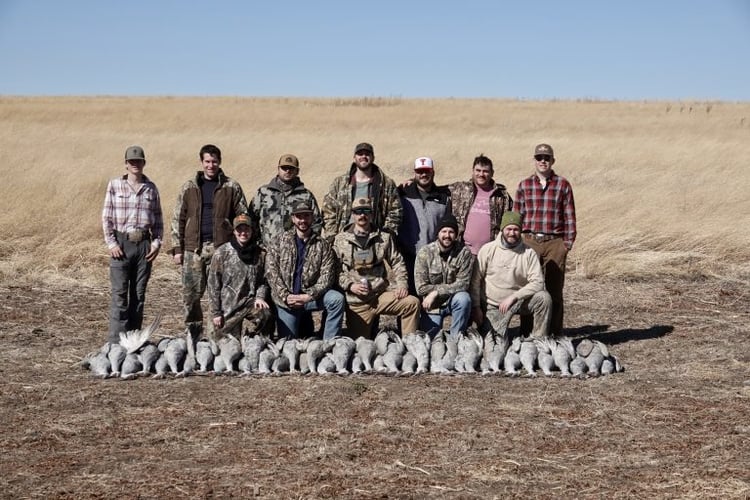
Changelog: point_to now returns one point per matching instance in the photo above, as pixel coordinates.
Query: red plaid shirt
(126, 210)
(549, 209)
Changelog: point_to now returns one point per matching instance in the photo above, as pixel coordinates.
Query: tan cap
(361, 203)
(242, 219)
(288, 160)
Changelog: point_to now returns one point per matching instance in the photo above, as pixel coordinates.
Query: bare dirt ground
(676, 423)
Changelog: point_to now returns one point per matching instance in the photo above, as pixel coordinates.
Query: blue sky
(536, 49)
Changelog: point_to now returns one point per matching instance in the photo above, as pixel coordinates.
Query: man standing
(301, 272)
(273, 202)
(479, 205)
(202, 222)
(364, 251)
(442, 274)
(424, 205)
(363, 180)
(236, 284)
(508, 280)
(545, 202)
(133, 227)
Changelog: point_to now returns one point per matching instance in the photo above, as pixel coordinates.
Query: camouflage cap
(135, 153)
(364, 146)
(361, 203)
(544, 149)
(302, 207)
(289, 160)
(242, 219)
(510, 218)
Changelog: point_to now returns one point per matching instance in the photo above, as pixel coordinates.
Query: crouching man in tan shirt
(508, 280)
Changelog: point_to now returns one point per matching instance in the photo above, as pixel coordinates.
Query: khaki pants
(359, 317)
(552, 254)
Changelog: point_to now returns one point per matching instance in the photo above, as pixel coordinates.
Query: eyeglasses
(361, 211)
(546, 158)
(423, 171)
(287, 168)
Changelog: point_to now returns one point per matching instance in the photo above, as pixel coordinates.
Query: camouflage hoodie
(272, 207)
(368, 261)
(318, 267)
(231, 282)
(337, 204)
(447, 276)
(462, 197)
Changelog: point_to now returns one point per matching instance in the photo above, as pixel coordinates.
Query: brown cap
(301, 207)
(361, 203)
(364, 146)
(242, 219)
(288, 160)
(544, 149)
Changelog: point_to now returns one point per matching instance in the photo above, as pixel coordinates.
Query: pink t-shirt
(478, 230)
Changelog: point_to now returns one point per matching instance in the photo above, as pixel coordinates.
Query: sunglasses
(361, 211)
(546, 158)
(287, 168)
(423, 171)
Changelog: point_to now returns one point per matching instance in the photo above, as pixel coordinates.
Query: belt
(539, 237)
(137, 235)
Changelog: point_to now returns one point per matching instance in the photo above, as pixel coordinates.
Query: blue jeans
(458, 307)
(333, 302)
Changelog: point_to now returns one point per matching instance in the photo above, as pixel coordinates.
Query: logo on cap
(242, 219)
(423, 163)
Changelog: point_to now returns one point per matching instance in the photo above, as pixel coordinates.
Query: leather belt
(138, 235)
(540, 237)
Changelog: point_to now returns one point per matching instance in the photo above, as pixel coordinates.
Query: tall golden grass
(660, 187)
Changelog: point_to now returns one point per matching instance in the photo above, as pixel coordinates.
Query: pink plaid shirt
(549, 209)
(126, 210)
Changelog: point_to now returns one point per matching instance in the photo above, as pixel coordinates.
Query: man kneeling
(508, 280)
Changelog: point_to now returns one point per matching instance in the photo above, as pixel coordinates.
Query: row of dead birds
(135, 355)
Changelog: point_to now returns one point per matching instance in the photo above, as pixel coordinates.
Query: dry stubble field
(670, 297)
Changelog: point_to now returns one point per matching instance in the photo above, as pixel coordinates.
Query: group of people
(416, 250)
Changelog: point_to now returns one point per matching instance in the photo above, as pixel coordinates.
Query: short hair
(211, 150)
(483, 161)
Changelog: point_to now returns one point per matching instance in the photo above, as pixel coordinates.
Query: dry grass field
(660, 272)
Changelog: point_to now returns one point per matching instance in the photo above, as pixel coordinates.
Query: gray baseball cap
(135, 153)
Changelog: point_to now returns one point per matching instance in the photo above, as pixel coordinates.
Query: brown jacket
(229, 201)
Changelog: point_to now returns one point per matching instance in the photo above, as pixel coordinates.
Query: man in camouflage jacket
(301, 273)
(273, 202)
(442, 275)
(236, 283)
(363, 180)
(364, 252)
(465, 203)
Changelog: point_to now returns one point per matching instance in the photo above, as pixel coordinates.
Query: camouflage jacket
(447, 276)
(231, 282)
(229, 201)
(337, 204)
(272, 207)
(462, 197)
(359, 261)
(318, 267)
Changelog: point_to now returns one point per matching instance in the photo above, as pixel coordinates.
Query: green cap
(135, 153)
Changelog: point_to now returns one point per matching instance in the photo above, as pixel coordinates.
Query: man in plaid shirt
(545, 202)
(133, 230)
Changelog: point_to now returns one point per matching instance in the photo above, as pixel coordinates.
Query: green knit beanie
(510, 218)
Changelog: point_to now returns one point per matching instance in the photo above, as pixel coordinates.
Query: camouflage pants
(261, 321)
(194, 275)
(539, 306)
